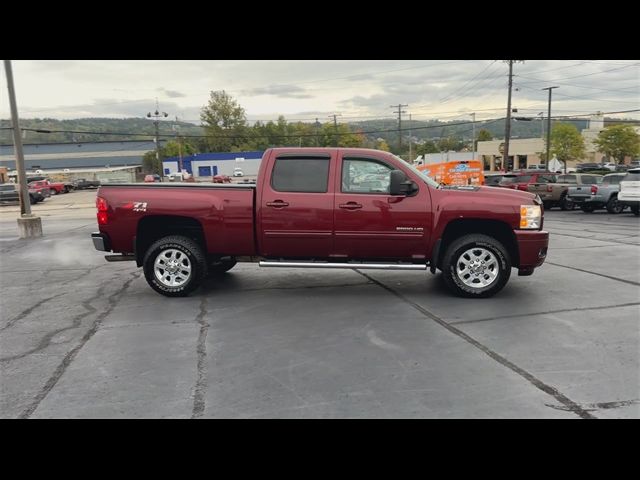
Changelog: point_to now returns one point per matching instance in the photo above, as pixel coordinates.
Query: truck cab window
(365, 176)
(309, 175)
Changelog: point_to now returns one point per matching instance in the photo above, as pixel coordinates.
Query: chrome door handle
(350, 206)
(278, 204)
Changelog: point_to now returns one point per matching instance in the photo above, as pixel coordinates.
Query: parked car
(54, 188)
(152, 178)
(629, 194)
(588, 167)
(492, 179)
(221, 179)
(83, 183)
(10, 193)
(300, 213)
(237, 172)
(556, 193)
(521, 180)
(610, 166)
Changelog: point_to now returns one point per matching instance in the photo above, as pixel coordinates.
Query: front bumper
(101, 242)
(532, 246)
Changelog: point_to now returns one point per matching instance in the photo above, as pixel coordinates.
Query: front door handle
(277, 204)
(350, 206)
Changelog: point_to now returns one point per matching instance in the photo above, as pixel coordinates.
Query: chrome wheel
(477, 267)
(172, 267)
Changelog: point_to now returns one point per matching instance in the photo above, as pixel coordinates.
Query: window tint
(614, 180)
(365, 176)
(300, 175)
(546, 179)
(590, 179)
(567, 179)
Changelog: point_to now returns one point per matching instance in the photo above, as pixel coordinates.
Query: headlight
(530, 216)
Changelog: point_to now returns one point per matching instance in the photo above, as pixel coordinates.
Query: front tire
(476, 266)
(174, 266)
(566, 203)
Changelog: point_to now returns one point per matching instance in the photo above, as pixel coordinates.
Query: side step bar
(362, 266)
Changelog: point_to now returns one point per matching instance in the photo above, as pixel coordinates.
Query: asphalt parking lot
(83, 338)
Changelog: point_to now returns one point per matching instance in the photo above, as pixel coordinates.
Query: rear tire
(174, 266)
(587, 208)
(566, 203)
(613, 206)
(636, 210)
(476, 266)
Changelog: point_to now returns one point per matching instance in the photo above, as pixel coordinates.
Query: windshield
(427, 179)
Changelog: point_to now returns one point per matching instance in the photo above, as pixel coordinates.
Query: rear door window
(310, 175)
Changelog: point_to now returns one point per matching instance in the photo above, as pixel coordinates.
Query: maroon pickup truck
(324, 208)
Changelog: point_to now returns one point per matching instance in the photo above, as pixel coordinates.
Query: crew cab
(554, 192)
(53, 187)
(321, 208)
(602, 193)
(521, 180)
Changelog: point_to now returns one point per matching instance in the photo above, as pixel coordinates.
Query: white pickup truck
(629, 194)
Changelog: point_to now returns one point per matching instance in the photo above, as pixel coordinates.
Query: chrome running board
(362, 266)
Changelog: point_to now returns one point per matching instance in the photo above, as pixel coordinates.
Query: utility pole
(317, 125)
(410, 141)
(507, 128)
(541, 115)
(399, 112)
(549, 130)
(29, 225)
(473, 138)
(157, 115)
(335, 126)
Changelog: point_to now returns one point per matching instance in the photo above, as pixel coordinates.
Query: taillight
(594, 189)
(549, 189)
(102, 206)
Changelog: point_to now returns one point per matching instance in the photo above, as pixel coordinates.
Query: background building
(523, 152)
(209, 164)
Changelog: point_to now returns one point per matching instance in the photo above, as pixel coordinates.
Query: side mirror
(399, 184)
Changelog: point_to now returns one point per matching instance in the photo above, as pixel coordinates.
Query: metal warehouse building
(53, 156)
(209, 164)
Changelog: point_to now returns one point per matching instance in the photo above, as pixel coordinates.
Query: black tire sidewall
(612, 204)
(221, 267)
(465, 243)
(191, 250)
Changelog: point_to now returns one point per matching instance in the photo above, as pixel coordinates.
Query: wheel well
(154, 227)
(493, 228)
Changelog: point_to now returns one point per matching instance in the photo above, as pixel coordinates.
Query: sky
(309, 89)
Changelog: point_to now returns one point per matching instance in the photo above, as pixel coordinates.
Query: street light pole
(28, 225)
(549, 130)
(473, 138)
(157, 115)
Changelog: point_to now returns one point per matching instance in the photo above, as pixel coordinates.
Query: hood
(516, 196)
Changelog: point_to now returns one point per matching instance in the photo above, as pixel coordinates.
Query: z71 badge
(139, 206)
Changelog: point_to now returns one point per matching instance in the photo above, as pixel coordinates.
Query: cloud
(284, 91)
(172, 93)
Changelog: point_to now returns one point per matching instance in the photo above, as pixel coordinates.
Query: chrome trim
(98, 242)
(362, 266)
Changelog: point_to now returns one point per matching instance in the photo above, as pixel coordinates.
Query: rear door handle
(350, 206)
(277, 204)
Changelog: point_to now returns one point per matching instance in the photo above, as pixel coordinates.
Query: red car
(316, 208)
(521, 180)
(53, 187)
(221, 179)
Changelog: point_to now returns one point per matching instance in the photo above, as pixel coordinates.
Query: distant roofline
(84, 143)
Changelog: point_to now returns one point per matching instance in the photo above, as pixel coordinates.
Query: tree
(382, 145)
(150, 164)
(618, 141)
(483, 136)
(225, 122)
(566, 142)
(427, 147)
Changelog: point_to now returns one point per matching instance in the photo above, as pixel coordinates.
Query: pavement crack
(590, 407)
(112, 301)
(596, 273)
(201, 349)
(26, 312)
(539, 384)
(532, 314)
